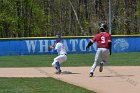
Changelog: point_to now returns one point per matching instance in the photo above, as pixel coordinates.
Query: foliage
(21, 18)
(27, 18)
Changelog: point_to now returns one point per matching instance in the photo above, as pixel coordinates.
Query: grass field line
(43, 72)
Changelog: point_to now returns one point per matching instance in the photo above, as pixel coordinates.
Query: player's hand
(110, 52)
(50, 47)
(89, 44)
(87, 47)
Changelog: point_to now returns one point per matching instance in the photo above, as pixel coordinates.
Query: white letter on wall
(74, 42)
(31, 44)
(45, 45)
(83, 43)
(66, 45)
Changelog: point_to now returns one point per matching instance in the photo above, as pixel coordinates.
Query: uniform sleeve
(93, 39)
(54, 50)
(56, 46)
(109, 38)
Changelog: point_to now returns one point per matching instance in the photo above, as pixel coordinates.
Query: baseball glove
(50, 47)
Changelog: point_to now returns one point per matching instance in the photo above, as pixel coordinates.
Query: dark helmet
(103, 27)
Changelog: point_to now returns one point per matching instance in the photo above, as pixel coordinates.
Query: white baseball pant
(100, 56)
(60, 59)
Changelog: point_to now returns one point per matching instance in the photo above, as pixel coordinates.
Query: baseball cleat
(101, 67)
(58, 72)
(91, 74)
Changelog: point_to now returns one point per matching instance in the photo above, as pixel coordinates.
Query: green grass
(125, 59)
(116, 59)
(38, 85)
(50, 85)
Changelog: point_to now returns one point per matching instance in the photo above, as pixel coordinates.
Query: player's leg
(59, 59)
(105, 53)
(97, 59)
(104, 56)
(101, 67)
(56, 64)
(62, 58)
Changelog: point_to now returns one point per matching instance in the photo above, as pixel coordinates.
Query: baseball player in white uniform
(62, 54)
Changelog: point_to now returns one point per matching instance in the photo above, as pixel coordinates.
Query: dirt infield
(113, 79)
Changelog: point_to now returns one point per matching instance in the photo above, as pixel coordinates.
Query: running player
(103, 40)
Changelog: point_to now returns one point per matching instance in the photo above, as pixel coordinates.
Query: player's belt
(103, 47)
(63, 54)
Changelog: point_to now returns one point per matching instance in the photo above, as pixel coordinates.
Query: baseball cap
(57, 36)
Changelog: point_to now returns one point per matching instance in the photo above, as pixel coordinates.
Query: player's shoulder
(96, 34)
(106, 33)
(59, 44)
(101, 33)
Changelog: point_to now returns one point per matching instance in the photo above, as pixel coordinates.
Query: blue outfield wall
(73, 45)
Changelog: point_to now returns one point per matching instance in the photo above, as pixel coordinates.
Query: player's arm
(52, 49)
(90, 43)
(110, 46)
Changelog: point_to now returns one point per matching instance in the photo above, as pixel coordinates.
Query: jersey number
(102, 39)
